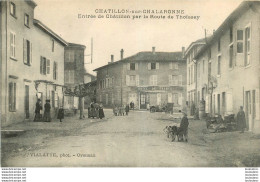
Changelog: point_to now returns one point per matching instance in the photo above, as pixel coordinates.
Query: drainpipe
(6, 81)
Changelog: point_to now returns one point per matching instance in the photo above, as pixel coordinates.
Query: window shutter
(44, 66)
(127, 79)
(56, 70)
(136, 66)
(149, 66)
(10, 95)
(128, 66)
(41, 63)
(11, 43)
(24, 52)
(170, 79)
(170, 65)
(157, 66)
(180, 80)
(31, 54)
(48, 66)
(137, 80)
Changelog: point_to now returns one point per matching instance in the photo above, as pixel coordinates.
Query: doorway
(142, 101)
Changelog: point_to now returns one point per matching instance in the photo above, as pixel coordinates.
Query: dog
(171, 132)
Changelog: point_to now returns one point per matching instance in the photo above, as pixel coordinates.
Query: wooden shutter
(10, 95)
(136, 66)
(170, 79)
(157, 66)
(137, 80)
(41, 65)
(24, 51)
(128, 66)
(127, 79)
(149, 66)
(31, 54)
(48, 66)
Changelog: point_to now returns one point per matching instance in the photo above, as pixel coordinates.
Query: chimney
(153, 50)
(112, 58)
(183, 52)
(122, 54)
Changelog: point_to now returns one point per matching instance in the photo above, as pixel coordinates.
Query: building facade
(31, 66)
(74, 73)
(230, 77)
(146, 79)
(191, 51)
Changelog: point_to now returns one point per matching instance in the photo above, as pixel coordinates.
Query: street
(136, 140)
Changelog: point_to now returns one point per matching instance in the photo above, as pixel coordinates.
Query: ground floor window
(12, 96)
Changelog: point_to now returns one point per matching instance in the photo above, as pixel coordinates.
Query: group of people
(46, 117)
(96, 110)
(121, 110)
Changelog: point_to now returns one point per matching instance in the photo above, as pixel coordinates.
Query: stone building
(146, 78)
(191, 51)
(74, 73)
(230, 77)
(32, 59)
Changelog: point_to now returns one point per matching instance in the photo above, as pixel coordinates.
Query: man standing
(38, 109)
(241, 119)
(183, 130)
(47, 111)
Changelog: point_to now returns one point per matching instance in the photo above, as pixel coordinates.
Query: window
(173, 65)
(247, 46)
(55, 70)
(27, 52)
(198, 70)
(231, 57)
(13, 9)
(26, 20)
(173, 79)
(240, 39)
(132, 80)
(219, 65)
(132, 66)
(231, 34)
(219, 45)
(175, 98)
(43, 66)
(153, 66)
(180, 80)
(69, 76)
(70, 56)
(153, 80)
(52, 46)
(12, 45)
(12, 96)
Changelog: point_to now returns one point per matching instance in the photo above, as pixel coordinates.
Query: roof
(149, 56)
(76, 45)
(86, 73)
(49, 31)
(31, 2)
(244, 6)
(197, 42)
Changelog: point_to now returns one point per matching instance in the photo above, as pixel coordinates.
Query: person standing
(60, 114)
(183, 130)
(241, 119)
(47, 111)
(127, 109)
(38, 109)
(101, 111)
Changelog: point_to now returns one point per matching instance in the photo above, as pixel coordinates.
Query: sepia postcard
(128, 83)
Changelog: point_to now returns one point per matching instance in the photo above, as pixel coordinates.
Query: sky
(132, 35)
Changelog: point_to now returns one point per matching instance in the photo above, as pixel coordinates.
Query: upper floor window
(173, 65)
(69, 76)
(231, 34)
(52, 45)
(247, 46)
(231, 56)
(45, 66)
(132, 80)
(26, 20)
(70, 56)
(175, 80)
(219, 45)
(219, 65)
(153, 66)
(13, 9)
(132, 66)
(240, 39)
(27, 52)
(153, 80)
(12, 45)
(55, 70)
